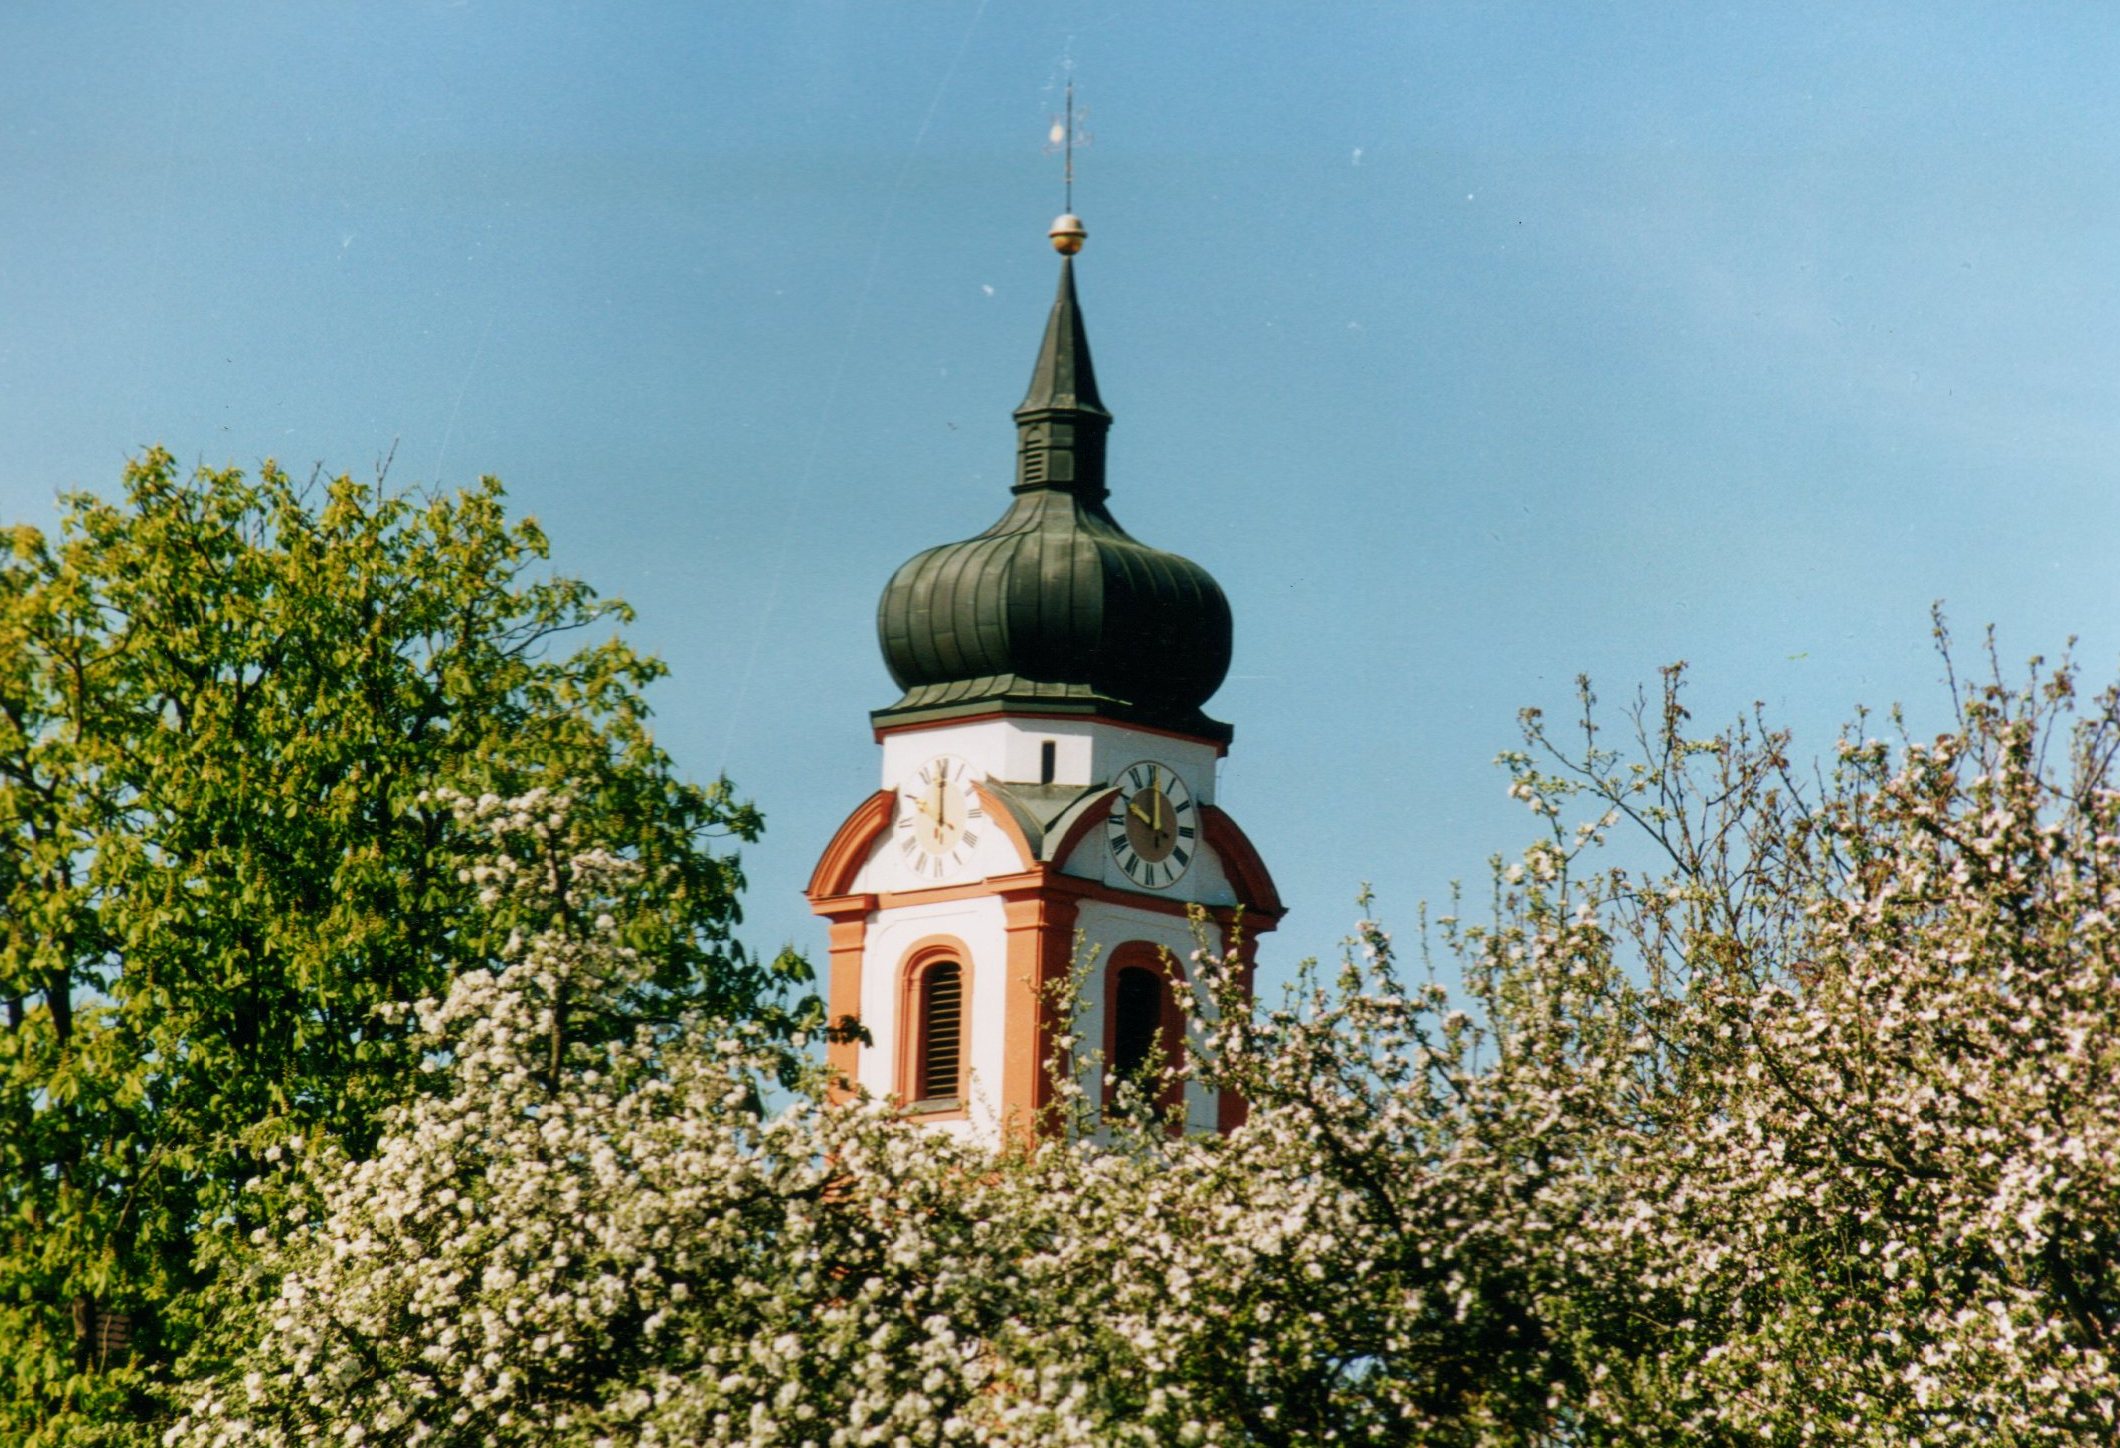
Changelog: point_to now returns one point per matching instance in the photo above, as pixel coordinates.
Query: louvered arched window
(934, 1041)
(941, 1063)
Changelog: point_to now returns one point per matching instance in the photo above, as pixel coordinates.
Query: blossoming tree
(1804, 1134)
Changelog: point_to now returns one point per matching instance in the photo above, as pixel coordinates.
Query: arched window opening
(1137, 1014)
(941, 1058)
(931, 1077)
(1144, 1026)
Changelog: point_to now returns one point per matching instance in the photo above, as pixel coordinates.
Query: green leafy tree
(226, 705)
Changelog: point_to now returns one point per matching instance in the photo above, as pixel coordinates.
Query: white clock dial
(939, 818)
(1154, 827)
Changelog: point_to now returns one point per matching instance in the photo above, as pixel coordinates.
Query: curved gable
(850, 846)
(1241, 860)
(1002, 811)
(1073, 827)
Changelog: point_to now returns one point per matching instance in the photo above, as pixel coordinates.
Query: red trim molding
(847, 930)
(1241, 862)
(1041, 947)
(849, 849)
(1048, 878)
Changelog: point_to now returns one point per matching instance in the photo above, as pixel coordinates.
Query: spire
(1055, 609)
(1061, 423)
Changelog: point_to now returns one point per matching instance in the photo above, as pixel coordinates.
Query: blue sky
(1471, 347)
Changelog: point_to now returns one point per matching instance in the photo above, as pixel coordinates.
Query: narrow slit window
(941, 1032)
(1048, 761)
(1137, 1013)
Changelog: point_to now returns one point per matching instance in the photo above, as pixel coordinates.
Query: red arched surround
(1170, 1020)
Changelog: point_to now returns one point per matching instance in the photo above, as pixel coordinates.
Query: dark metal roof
(1055, 608)
(1064, 380)
(1046, 813)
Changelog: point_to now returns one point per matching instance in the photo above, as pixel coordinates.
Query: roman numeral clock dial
(939, 818)
(1154, 827)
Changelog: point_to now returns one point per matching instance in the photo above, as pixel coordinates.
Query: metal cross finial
(1063, 138)
(1068, 169)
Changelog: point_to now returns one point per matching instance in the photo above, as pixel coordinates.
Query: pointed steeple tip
(1061, 423)
(1064, 379)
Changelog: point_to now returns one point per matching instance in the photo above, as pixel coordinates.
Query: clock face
(939, 816)
(1154, 827)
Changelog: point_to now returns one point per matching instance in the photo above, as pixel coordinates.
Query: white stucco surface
(979, 925)
(1086, 752)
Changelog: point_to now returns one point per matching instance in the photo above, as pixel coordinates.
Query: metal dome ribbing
(1055, 609)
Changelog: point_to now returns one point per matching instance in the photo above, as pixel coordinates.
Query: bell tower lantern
(1048, 786)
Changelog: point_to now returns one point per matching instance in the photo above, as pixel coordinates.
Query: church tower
(1048, 780)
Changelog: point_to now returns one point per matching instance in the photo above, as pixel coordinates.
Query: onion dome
(1055, 609)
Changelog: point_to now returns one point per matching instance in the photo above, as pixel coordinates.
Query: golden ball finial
(1068, 234)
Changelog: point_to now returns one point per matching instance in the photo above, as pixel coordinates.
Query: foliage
(223, 700)
(1806, 1135)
